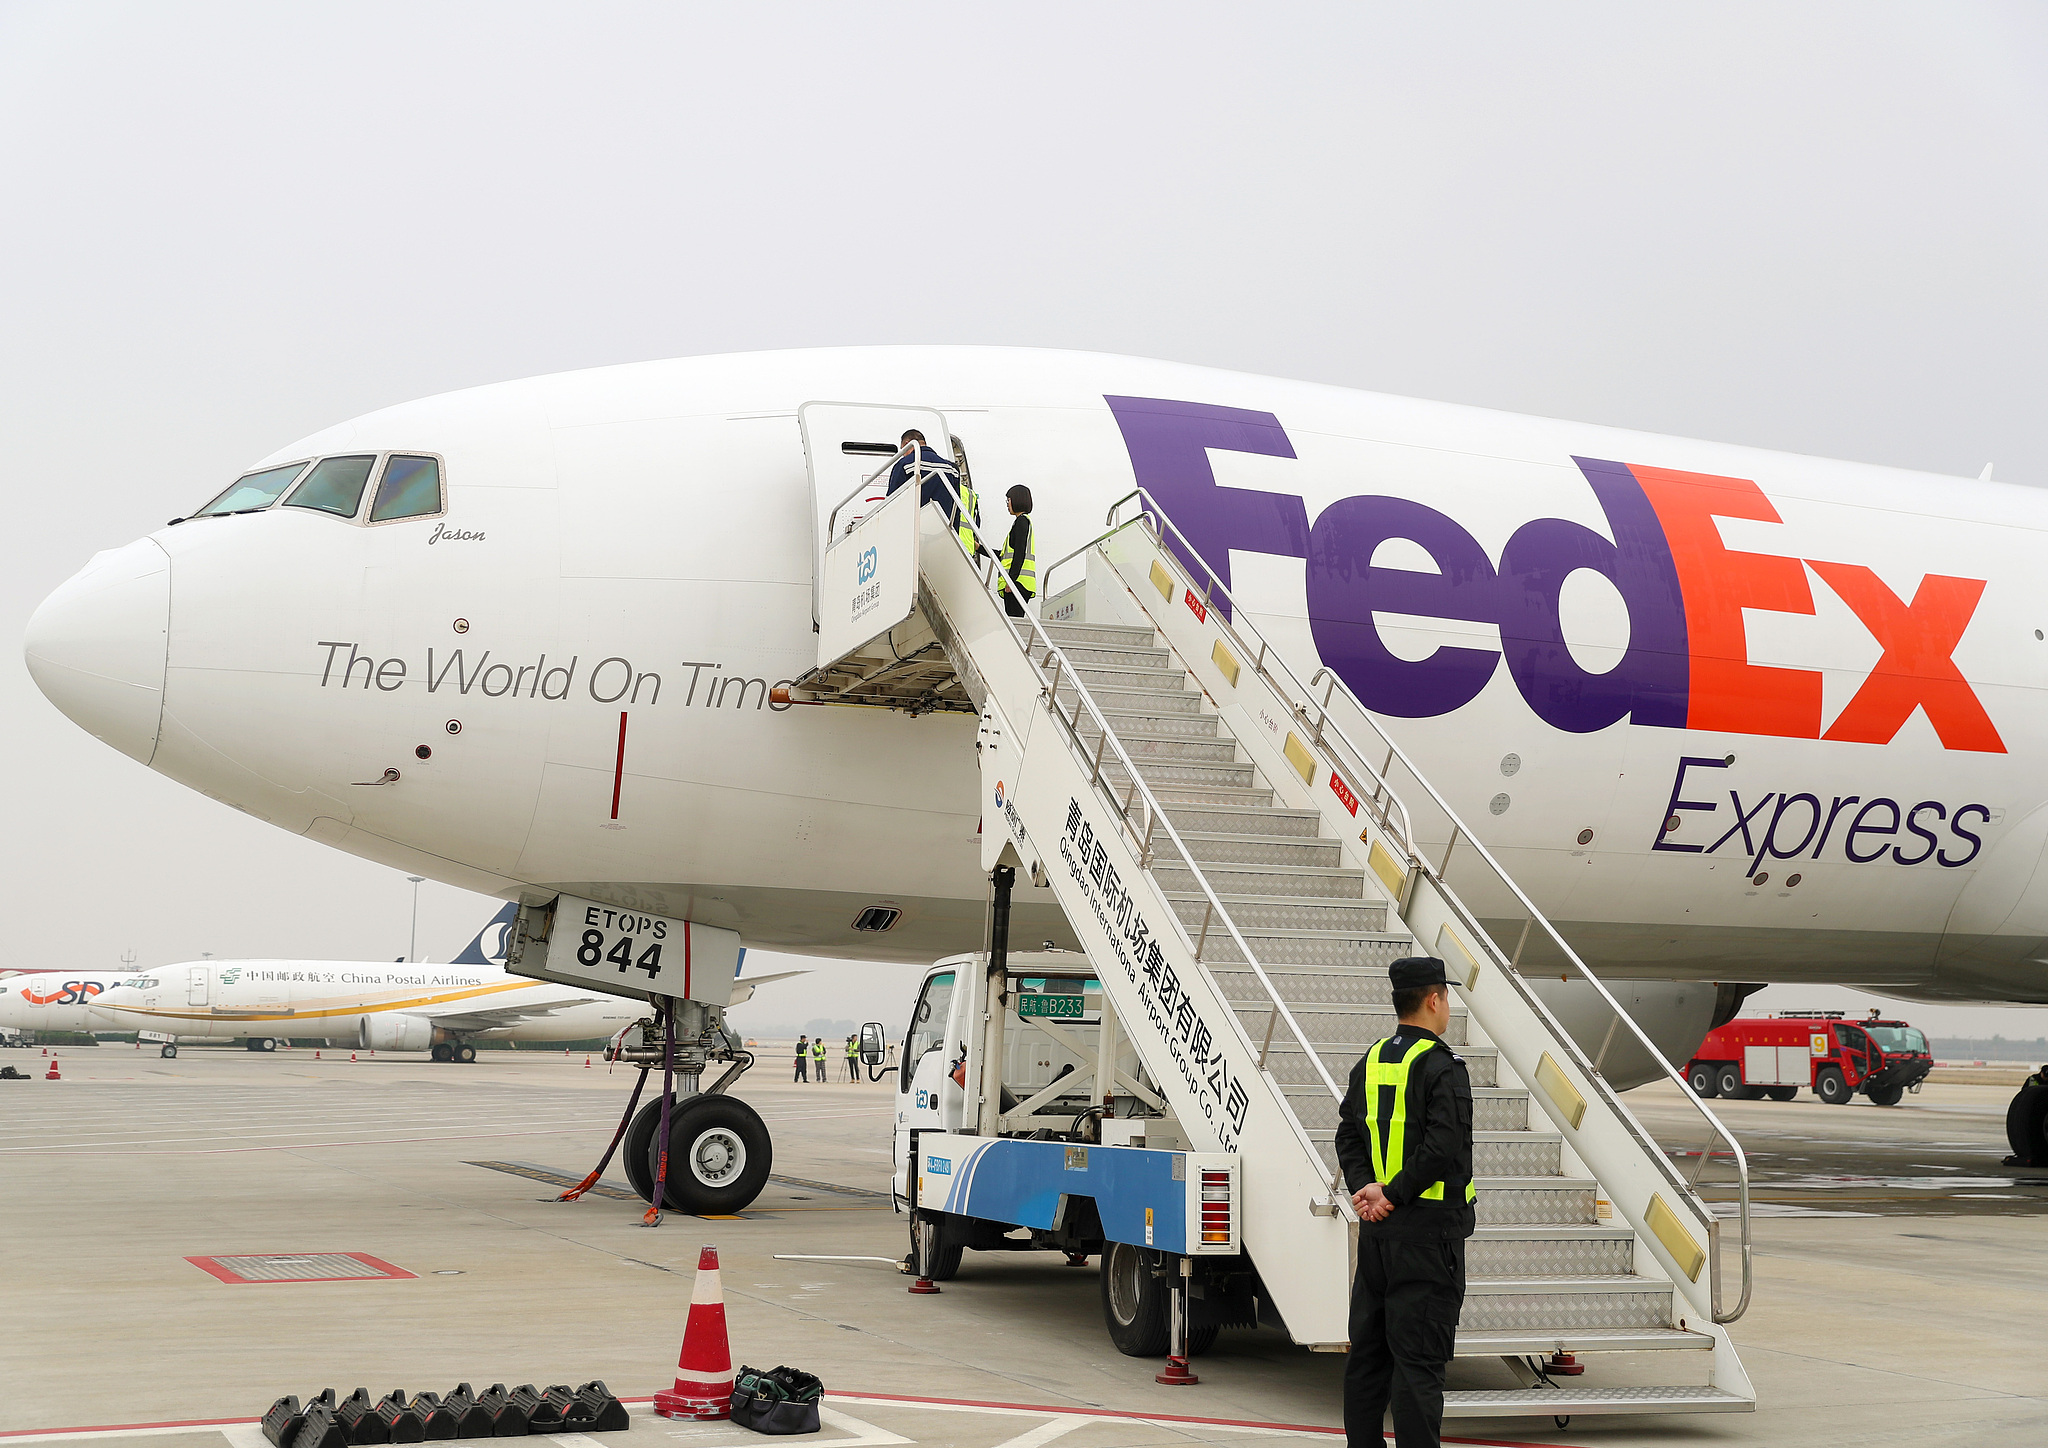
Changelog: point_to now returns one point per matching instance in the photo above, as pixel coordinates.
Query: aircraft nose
(97, 646)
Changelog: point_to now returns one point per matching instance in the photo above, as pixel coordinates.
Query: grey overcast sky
(1818, 228)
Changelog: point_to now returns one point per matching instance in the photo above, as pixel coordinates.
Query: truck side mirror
(872, 1049)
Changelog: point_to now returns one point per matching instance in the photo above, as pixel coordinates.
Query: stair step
(1131, 681)
(1500, 1252)
(1309, 881)
(1113, 656)
(1127, 635)
(1219, 849)
(1158, 723)
(1156, 772)
(1244, 797)
(1289, 1066)
(1333, 969)
(1550, 1304)
(1150, 701)
(1535, 1201)
(1356, 1027)
(1142, 747)
(1579, 1402)
(1239, 820)
(1282, 912)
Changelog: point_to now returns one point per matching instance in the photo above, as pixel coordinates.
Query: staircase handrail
(1237, 623)
(1154, 813)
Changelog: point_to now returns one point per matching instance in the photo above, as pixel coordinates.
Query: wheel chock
(357, 1415)
(433, 1410)
(281, 1423)
(471, 1421)
(541, 1415)
(401, 1423)
(604, 1413)
(508, 1419)
(320, 1428)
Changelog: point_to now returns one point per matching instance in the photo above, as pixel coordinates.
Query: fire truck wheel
(1701, 1079)
(719, 1155)
(1829, 1086)
(1887, 1095)
(1781, 1093)
(1728, 1083)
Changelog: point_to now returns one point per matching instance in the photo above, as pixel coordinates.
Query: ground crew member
(818, 1058)
(938, 482)
(1404, 1140)
(852, 1058)
(1020, 552)
(803, 1057)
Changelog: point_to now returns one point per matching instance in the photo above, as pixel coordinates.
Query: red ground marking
(382, 1271)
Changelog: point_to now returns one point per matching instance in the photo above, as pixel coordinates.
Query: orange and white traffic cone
(351, 1055)
(704, 1369)
(586, 1063)
(51, 1074)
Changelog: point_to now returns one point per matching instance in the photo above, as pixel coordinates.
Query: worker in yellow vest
(1404, 1141)
(1020, 553)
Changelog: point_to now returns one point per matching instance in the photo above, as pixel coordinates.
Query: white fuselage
(54, 1000)
(329, 999)
(1826, 673)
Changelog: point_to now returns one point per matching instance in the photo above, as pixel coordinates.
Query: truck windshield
(1898, 1040)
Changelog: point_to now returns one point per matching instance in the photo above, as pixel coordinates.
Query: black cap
(1414, 970)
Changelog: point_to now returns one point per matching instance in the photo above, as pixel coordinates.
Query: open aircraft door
(848, 447)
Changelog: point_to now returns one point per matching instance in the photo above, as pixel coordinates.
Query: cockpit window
(253, 491)
(334, 486)
(411, 488)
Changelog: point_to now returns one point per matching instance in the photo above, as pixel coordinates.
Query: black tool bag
(780, 1403)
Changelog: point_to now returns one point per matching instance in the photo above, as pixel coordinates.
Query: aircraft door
(195, 986)
(848, 447)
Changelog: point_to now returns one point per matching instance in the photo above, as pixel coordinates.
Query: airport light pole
(412, 948)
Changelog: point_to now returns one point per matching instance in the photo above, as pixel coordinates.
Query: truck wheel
(1886, 1095)
(1728, 1083)
(1134, 1307)
(944, 1262)
(1829, 1086)
(1701, 1078)
(719, 1154)
(1781, 1093)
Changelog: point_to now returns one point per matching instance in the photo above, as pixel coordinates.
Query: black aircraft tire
(440, 1051)
(1829, 1086)
(168, 1052)
(1887, 1095)
(1134, 1306)
(637, 1148)
(2026, 1121)
(1701, 1079)
(719, 1156)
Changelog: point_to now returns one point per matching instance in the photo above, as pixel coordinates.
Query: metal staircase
(1240, 874)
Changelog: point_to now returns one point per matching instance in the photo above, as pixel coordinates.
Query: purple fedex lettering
(1344, 589)
(1169, 444)
(1648, 686)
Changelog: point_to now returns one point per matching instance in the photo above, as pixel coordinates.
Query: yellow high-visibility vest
(1027, 576)
(1386, 1117)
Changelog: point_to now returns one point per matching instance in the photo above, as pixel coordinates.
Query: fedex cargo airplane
(1728, 715)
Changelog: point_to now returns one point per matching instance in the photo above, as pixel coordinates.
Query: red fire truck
(1775, 1055)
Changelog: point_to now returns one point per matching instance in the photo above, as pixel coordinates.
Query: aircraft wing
(497, 1018)
(743, 988)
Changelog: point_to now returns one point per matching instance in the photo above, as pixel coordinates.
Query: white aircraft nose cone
(97, 646)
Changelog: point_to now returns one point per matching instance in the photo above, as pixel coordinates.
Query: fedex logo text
(1686, 664)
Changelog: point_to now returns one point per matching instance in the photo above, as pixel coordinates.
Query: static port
(424, 752)
(453, 726)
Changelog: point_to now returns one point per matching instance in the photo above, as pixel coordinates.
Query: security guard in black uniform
(1404, 1140)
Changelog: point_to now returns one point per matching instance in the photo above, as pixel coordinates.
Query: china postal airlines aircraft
(401, 1006)
(1727, 715)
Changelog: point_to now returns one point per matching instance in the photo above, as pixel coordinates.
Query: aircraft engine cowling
(1675, 1014)
(395, 1031)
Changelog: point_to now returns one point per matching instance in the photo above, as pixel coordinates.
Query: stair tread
(1577, 1231)
(1572, 1402)
(1512, 1341)
(1495, 1284)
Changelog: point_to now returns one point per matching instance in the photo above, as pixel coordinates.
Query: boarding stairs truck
(1240, 854)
